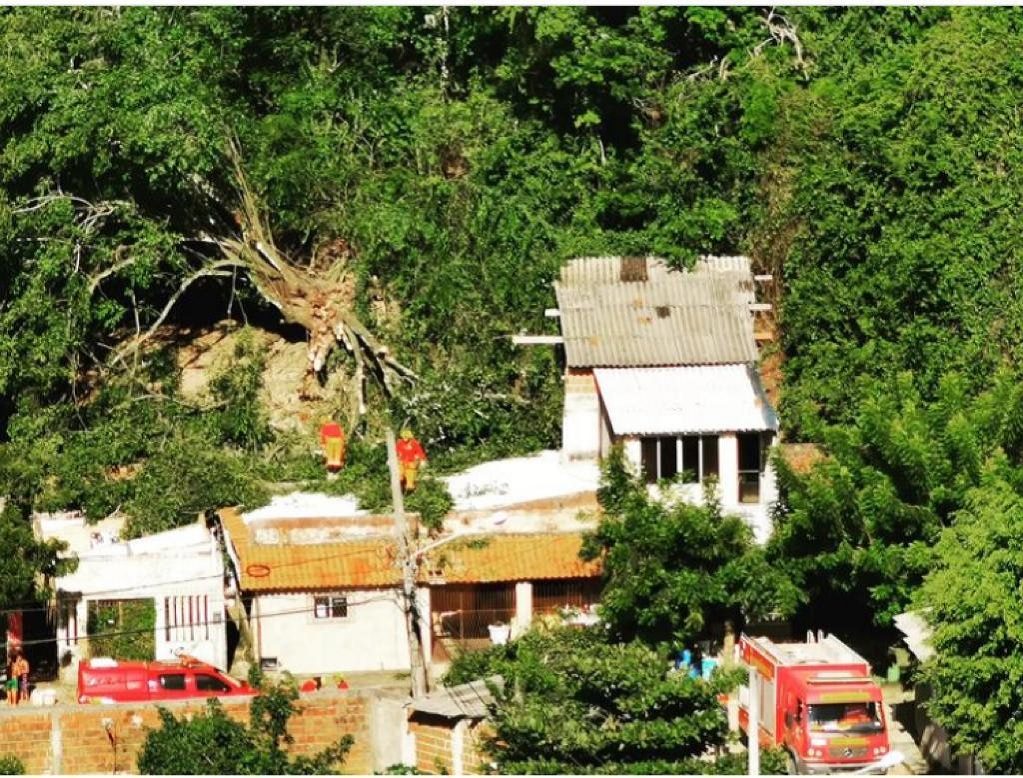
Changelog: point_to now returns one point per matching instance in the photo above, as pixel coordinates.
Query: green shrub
(11, 765)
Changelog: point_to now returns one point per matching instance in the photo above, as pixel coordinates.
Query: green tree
(971, 601)
(855, 531)
(672, 569)
(26, 558)
(575, 702)
(212, 743)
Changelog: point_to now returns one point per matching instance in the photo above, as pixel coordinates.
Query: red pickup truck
(108, 680)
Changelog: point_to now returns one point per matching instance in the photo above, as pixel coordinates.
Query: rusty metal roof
(685, 400)
(632, 312)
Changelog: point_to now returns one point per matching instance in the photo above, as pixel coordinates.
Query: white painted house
(663, 361)
(181, 571)
(321, 580)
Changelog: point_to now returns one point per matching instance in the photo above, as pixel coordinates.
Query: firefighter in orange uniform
(410, 455)
(332, 438)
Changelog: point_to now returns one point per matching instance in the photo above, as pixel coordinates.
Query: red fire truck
(817, 702)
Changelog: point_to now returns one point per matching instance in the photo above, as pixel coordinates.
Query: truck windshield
(845, 717)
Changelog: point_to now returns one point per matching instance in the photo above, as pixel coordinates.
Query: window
(694, 456)
(750, 467)
(845, 717)
(173, 682)
(207, 683)
(333, 606)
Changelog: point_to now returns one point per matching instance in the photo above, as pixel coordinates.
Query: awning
(685, 400)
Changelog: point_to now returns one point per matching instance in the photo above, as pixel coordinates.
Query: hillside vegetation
(398, 187)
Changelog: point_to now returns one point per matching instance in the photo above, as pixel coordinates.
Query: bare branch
(215, 269)
(97, 279)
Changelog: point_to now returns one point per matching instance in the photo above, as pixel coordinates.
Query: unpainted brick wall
(81, 735)
(474, 759)
(433, 742)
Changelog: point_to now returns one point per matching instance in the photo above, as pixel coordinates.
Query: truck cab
(834, 723)
(817, 701)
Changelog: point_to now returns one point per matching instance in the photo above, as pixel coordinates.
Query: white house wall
(372, 637)
(580, 431)
(728, 469)
(187, 573)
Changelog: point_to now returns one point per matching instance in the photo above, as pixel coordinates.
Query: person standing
(21, 670)
(332, 438)
(11, 681)
(410, 456)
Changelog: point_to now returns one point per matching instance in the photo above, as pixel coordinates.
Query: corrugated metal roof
(467, 700)
(671, 318)
(685, 400)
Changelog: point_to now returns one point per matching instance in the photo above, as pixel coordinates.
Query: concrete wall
(73, 740)
(372, 637)
(580, 429)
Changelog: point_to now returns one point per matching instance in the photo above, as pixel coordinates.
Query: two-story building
(663, 361)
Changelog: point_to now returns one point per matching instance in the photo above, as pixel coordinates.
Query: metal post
(753, 733)
(409, 565)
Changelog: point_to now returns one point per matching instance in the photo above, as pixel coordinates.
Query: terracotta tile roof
(370, 563)
(349, 564)
(510, 557)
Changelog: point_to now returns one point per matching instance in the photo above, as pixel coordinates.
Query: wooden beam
(551, 313)
(537, 340)
(760, 307)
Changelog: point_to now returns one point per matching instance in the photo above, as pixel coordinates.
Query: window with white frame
(330, 606)
(695, 457)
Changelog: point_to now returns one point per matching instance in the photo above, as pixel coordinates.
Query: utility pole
(408, 563)
(753, 733)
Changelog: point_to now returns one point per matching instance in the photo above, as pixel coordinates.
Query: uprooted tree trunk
(320, 301)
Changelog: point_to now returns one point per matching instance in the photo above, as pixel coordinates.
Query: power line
(35, 608)
(118, 633)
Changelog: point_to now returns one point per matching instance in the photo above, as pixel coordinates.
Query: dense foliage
(856, 531)
(674, 570)
(212, 743)
(435, 167)
(122, 628)
(575, 702)
(971, 600)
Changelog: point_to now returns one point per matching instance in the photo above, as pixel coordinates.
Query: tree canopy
(574, 702)
(673, 570)
(398, 187)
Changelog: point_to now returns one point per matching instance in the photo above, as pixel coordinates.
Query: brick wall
(81, 737)
(433, 742)
(580, 381)
(26, 737)
(474, 759)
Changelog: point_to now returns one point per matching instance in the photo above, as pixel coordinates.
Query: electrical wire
(258, 617)
(36, 608)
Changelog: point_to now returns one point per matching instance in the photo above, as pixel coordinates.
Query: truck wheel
(791, 765)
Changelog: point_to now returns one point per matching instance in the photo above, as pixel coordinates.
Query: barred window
(331, 606)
